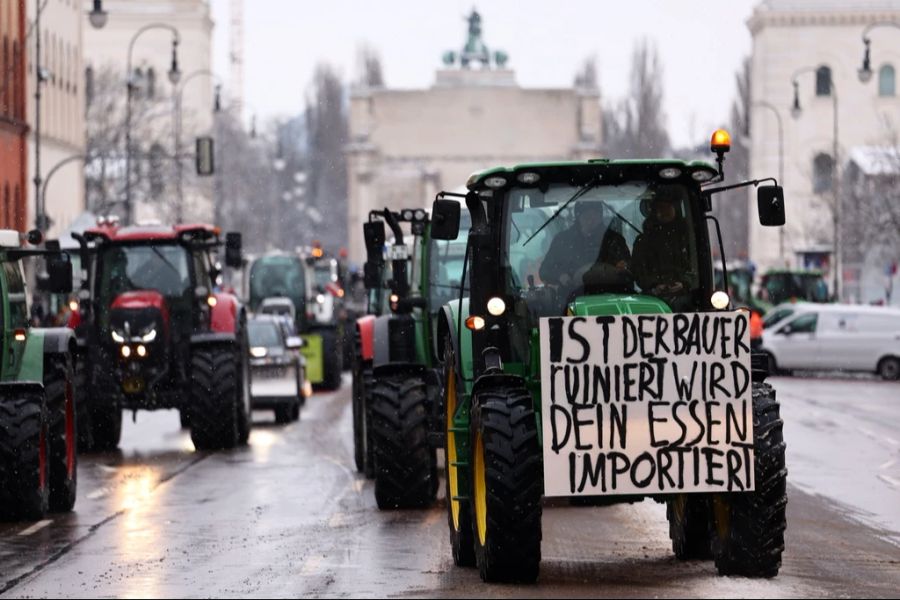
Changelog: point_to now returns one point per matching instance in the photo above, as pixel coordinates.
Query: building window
(823, 173)
(823, 81)
(886, 81)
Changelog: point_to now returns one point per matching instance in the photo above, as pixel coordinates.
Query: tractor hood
(617, 304)
(138, 312)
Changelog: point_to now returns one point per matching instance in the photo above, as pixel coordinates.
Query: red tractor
(154, 333)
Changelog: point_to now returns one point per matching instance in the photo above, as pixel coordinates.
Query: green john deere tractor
(397, 422)
(38, 460)
(785, 285)
(574, 267)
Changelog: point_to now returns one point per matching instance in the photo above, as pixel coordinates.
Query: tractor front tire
(747, 529)
(405, 462)
(507, 485)
(105, 410)
(688, 516)
(459, 510)
(24, 457)
(214, 397)
(59, 390)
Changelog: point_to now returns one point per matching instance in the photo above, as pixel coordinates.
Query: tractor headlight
(320, 298)
(126, 351)
(142, 350)
(118, 337)
(720, 300)
(149, 336)
(496, 306)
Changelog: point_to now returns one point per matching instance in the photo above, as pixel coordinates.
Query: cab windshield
(160, 267)
(277, 276)
(632, 237)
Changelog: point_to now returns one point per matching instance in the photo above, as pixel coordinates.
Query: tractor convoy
(560, 330)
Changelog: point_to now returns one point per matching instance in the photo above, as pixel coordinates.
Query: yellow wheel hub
(452, 469)
(480, 489)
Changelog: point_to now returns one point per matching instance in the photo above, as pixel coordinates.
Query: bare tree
(327, 130)
(636, 127)
(371, 73)
(152, 146)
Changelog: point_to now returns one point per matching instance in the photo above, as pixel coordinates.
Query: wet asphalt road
(288, 516)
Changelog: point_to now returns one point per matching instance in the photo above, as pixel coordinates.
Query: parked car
(277, 374)
(781, 312)
(836, 337)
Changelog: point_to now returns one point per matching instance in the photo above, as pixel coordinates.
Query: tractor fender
(448, 327)
(498, 380)
(58, 340)
(394, 340)
(366, 328)
(224, 315)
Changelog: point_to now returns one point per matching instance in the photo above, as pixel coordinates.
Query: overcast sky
(701, 43)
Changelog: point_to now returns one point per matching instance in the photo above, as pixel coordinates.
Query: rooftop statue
(475, 50)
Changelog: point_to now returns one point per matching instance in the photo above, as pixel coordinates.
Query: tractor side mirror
(233, 250)
(372, 273)
(445, 219)
(770, 201)
(59, 274)
(373, 231)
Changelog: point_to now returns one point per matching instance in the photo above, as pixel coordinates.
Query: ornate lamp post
(774, 111)
(865, 71)
(179, 116)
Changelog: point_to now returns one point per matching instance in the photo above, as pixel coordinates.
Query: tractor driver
(662, 252)
(589, 253)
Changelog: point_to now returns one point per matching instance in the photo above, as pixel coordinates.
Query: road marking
(36, 527)
(97, 494)
(895, 483)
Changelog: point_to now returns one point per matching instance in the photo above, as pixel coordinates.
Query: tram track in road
(10, 584)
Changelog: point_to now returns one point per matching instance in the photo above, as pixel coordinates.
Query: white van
(836, 336)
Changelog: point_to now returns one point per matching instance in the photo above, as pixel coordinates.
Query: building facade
(13, 123)
(819, 43)
(406, 145)
(62, 113)
(106, 55)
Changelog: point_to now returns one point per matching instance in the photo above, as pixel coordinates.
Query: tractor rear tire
(688, 516)
(332, 360)
(459, 512)
(747, 529)
(507, 485)
(59, 390)
(83, 415)
(214, 397)
(405, 462)
(24, 457)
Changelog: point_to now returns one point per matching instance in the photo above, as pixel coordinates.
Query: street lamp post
(174, 78)
(865, 71)
(770, 107)
(179, 115)
(837, 210)
(98, 19)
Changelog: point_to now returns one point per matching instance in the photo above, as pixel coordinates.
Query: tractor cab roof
(581, 172)
(136, 234)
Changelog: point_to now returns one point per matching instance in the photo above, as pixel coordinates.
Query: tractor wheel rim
(452, 468)
(480, 490)
(70, 431)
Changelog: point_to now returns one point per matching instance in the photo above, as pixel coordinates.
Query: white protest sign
(646, 404)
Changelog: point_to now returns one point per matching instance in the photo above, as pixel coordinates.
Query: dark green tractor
(397, 384)
(571, 249)
(38, 460)
(786, 285)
